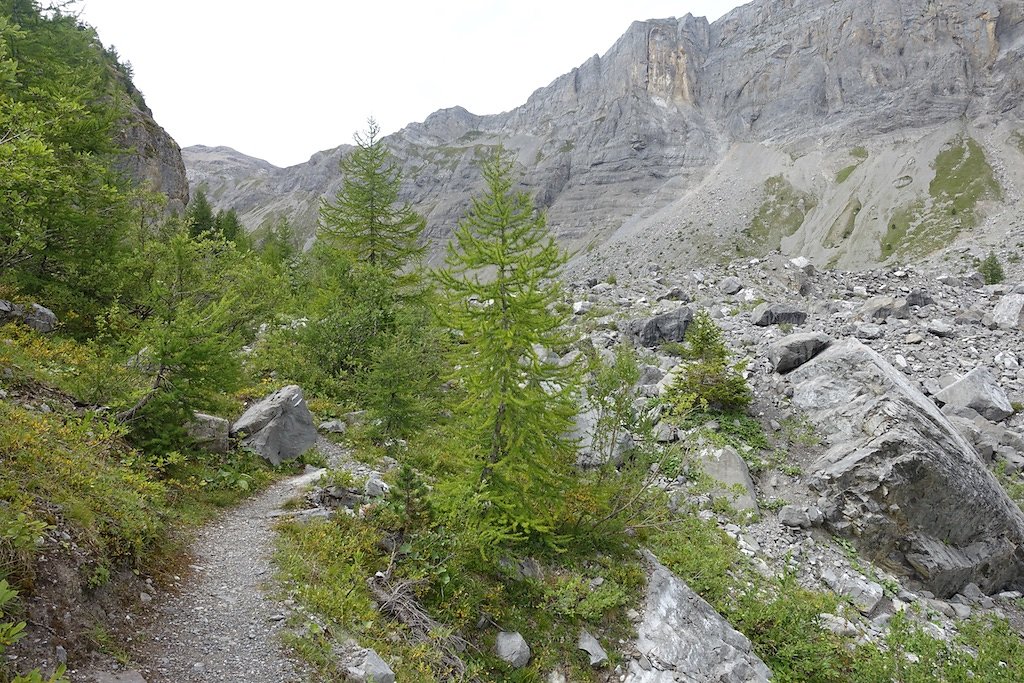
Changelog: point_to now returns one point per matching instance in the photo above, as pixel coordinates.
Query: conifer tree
(201, 220)
(365, 217)
(502, 279)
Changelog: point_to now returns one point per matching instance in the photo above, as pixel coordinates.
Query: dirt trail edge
(222, 626)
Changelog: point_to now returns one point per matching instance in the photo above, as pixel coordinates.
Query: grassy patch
(781, 214)
(845, 173)
(963, 179)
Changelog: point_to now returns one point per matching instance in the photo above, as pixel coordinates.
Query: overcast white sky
(282, 80)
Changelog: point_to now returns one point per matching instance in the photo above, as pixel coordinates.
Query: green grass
(845, 173)
(781, 214)
(963, 179)
(859, 153)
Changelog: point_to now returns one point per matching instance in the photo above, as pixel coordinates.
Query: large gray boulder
(778, 314)
(1009, 312)
(900, 482)
(209, 432)
(39, 318)
(979, 391)
(882, 307)
(725, 466)
(512, 649)
(796, 349)
(667, 327)
(279, 427)
(688, 639)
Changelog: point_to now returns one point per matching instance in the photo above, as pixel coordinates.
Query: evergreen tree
(229, 226)
(200, 216)
(365, 217)
(502, 275)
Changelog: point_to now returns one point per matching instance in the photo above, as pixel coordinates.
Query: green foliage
(199, 216)
(844, 174)
(781, 214)
(365, 218)
(501, 285)
(707, 380)
(963, 179)
(63, 210)
(992, 269)
(202, 299)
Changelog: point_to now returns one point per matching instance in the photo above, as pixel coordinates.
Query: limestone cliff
(690, 138)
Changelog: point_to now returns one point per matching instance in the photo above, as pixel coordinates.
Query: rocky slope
(848, 131)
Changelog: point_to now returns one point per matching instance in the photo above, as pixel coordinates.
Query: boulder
(39, 318)
(279, 427)
(688, 639)
(1009, 312)
(883, 307)
(333, 426)
(587, 454)
(727, 467)
(901, 483)
(667, 327)
(209, 432)
(778, 314)
(730, 286)
(978, 391)
(512, 649)
(864, 594)
(368, 667)
(796, 349)
(589, 644)
(920, 297)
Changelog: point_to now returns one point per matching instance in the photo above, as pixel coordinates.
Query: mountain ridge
(673, 102)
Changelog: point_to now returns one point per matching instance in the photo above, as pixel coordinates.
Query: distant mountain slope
(835, 128)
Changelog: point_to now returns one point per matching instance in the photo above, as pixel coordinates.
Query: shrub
(707, 379)
(992, 269)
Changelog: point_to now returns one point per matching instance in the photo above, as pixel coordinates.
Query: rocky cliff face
(152, 158)
(806, 125)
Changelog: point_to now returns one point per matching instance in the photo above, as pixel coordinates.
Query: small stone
(511, 648)
(590, 645)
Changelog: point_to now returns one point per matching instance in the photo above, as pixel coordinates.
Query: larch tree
(502, 282)
(366, 219)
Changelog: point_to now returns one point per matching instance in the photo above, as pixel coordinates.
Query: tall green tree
(201, 220)
(366, 217)
(502, 282)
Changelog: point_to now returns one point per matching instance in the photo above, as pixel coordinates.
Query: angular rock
(209, 432)
(727, 467)
(865, 594)
(511, 648)
(688, 639)
(940, 328)
(902, 484)
(39, 318)
(920, 297)
(794, 350)
(794, 516)
(587, 455)
(370, 668)
(730, 286)
(279, 427)
(589, 644)
(869, 331)
(883, 307)
(376, 487)
(333, 426)
(667, 327)
(778, 314)
(979, 391)
(1009, 312)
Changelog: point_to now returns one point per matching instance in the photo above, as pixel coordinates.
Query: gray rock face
(688, 639)
(279, 427)
(777, 314)
(979, 391)
(210, 432)
(39, 318)
(592, 454)
(667, 327)
(796, 349)
(152, 158)
(727, 467)
(1009, 312)
(511, 648)
(900, 481)
(674, 100)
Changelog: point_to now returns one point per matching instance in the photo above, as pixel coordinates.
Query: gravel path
(222, 626)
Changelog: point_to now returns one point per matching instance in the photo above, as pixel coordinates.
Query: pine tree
(200, 216)
(365, 217)
(501, 281)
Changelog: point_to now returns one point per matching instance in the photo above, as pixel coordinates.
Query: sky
(283, 80)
